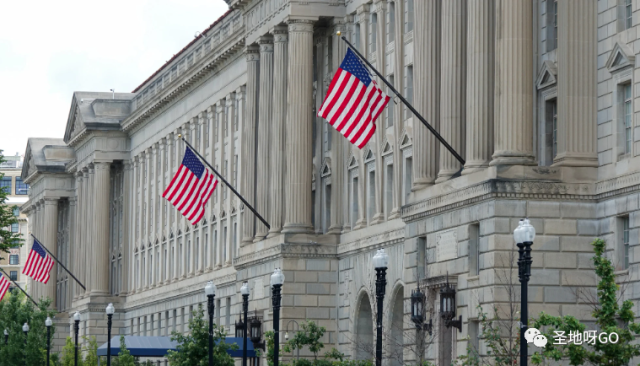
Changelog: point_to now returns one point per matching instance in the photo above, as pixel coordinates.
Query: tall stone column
(426, 40)
(77, 250)
(453, 94)
(480, 82)
(49, 239)
(73, 249)
(249, 141)
(228, 169)
(299, 127)
(276, 183)
(264, 125)
(338, 141)
(100, 256)
(135, 209)
(127, 226)
(577, 87)
(514, 83)
(379, 137)
(90, 236)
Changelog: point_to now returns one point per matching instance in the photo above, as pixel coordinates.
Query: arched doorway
(364, 330)
(396, 335)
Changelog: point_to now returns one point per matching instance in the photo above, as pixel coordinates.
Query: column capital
(229, 100)
(240, 92)
(79, 175)
(301, 25)
(364, 8)
(162, 142)
(280, 33)
(102, 166)
(51, 201)
(73, 201)
(252, 53)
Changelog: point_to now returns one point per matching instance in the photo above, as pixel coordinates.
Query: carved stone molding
(365, 244)
(301, 25)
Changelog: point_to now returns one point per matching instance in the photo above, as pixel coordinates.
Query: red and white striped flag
(4, 285)
(353, 101)
(191, 187)
(39, 263)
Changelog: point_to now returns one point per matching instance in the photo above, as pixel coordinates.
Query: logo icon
(533, 335)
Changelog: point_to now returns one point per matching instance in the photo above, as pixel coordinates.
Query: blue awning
(159, 346)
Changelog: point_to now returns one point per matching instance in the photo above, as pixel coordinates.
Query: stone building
(537, 95)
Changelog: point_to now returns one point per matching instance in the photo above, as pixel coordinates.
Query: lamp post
(448, 306)
(523, 236)
(210, 291)
(110, 310)
(277, 279)
(25, 329)
(380, 263)
(6, 337)
(48, 323)
(244, 290)
(76, 328)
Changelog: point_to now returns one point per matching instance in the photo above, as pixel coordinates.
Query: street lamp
(286, 335)
(417, 311)
(256, 334)
(48, 323)
(277, 279)
(110, 310)
(25, 329)
(210, 291)
(380, 263)
(76, 328)
(523, 236)
(244, 290)
(448, 306)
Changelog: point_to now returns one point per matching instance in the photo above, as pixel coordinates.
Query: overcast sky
(49, 49)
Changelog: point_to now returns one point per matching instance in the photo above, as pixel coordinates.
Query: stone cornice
(369, 243)
(188, 82)
(285, 250)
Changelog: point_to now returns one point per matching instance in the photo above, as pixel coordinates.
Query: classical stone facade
(537, 95)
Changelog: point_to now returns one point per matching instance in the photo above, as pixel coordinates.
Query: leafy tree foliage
(607, 312)
(7, 238)
(15, 310)
(193, 348)
(68, 354)
(309, 336)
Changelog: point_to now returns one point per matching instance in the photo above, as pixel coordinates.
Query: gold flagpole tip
(179, 135)
(339, 33)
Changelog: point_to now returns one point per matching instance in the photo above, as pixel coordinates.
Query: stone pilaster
(248, 143)
(453, 94)
(90, 237)
(280, 68)
(426, 38)
(264, 125)
(363, 19)
(480, 84)
(514, 83)
(49, 239)
(381, 44)
(577, 86)
(100, 255)
(128, 227)
(299, 127)
(77, 248)
(136, 219)
(228, 170)
(338, 141)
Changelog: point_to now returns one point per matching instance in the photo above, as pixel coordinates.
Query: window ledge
(624, 272)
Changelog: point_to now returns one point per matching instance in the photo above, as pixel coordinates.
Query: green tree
(607, 312)
(8, 239)
(193, 347)
(90, 350)
(16, 310)
(124, 357)
(68, 354)
(309, 336)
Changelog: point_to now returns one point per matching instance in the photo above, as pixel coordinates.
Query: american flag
(191, 187)
(4, 285)
(353, 101)
(39, 263)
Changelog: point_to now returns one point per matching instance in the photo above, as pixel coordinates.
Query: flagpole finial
(339, 33)
(179, 135)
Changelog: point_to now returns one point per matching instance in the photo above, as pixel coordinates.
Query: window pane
(15, 227)
(5, 183)
(14, 259)
(628, 14)
(21, 187)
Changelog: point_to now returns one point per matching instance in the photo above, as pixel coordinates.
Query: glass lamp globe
(528, 232)
(48, 322)
(244, 290)
(76, 316)
(6, 332)
(381, 259)
(277, 278)
(110, 309)
(210, 289)
(25, 327)
(517, 233)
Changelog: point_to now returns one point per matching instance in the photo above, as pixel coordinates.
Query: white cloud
(49, 49)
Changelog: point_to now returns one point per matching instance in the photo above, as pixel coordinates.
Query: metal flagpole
(18, 286)
(424, 121)
(227, 183)
(61, 265)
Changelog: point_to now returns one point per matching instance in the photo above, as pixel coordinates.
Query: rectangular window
(371, 204)
(409, 16)
(327, 208)
(474, 336)
(217, 310)
(628, 115)
(391, 29)
(5, 183)
(628, 14)
(22, 188)
(474, 245)
(390, 108)
(16, 211)
(15, 227)
(624, 239)
(408, 88)
(374, 31)
(552, 25)
(354, 203)
(388, 192)
(408, 177)
(228, 314)
(14, 259)
(13, 275)
(550, 132)
(356, 32)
